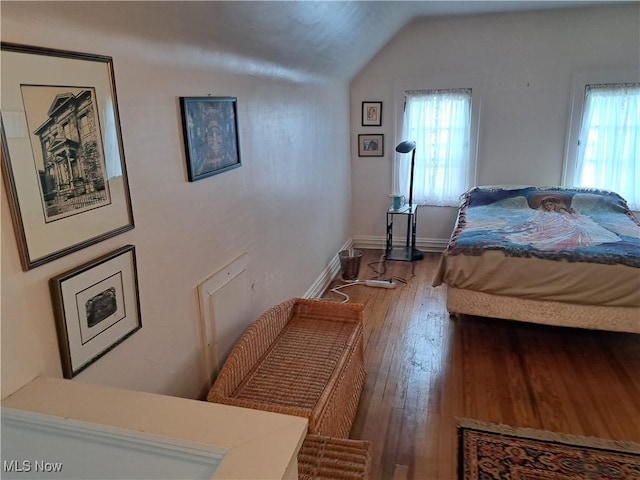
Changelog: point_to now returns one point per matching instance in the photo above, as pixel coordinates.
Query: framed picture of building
(211, 140)
(62, 155)
(96, 306)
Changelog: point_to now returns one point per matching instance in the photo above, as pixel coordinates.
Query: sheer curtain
(609, 142)
(439, 121)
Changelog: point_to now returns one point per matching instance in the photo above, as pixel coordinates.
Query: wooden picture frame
(62, 155)
(96, 307)
(371, 114)
(210, 126)
(371, 145)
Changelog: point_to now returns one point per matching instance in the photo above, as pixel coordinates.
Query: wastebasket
(350, 263)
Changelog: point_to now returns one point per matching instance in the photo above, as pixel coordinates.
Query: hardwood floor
(425, 369)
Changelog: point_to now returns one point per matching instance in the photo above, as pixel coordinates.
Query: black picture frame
(371, 114)
(212, 142)
(62, 155)
(371, 145)
(96, 307)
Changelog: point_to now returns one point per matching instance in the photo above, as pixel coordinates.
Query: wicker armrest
(341, 312)
(322, 458)
(244, 403)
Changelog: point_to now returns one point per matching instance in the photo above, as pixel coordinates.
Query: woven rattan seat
(302, 357)
(327, 458)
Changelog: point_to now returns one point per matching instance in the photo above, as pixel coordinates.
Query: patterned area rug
(499, 452)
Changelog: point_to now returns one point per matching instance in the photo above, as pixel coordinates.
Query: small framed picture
(371, 145)
(210, 127)
(96, 307)
(371, 114)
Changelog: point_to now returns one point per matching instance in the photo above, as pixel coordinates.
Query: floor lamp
(406, 147)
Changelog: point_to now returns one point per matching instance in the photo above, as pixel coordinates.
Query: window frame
(579, 82)
(475, 83)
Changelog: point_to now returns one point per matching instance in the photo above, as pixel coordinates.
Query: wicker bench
(302, 357)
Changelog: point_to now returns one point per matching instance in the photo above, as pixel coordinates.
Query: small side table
(408, 253)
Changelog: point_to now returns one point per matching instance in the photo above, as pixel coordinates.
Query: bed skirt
(615, 319)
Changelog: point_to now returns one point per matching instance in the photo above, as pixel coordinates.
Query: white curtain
(439, 121)
(609, 143)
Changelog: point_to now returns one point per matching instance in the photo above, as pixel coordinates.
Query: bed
(550, 255)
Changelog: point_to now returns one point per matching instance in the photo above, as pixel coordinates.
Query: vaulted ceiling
(325, 38)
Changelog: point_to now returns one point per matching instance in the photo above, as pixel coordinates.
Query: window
(439, 121)
(608, 146)
(66, 126)
(84, 125)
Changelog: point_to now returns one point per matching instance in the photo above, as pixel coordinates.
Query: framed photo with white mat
(96, 307)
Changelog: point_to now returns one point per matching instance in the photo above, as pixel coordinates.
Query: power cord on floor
(368, 283)
(378, 283)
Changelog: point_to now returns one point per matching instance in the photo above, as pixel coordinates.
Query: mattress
(585, 250)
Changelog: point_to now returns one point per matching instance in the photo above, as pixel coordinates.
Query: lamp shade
(406, 146)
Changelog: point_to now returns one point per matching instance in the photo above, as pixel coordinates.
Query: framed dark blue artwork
(211, 139)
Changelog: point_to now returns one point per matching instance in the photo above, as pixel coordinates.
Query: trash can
(350, 263)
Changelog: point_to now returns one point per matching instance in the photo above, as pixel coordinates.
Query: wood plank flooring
(425, 369)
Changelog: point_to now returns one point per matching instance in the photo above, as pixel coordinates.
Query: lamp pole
(413, 161)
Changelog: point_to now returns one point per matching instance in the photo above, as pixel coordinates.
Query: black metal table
(408, 252)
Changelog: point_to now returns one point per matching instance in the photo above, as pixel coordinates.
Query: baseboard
(374, 243)
(424, 244)
(324, 279)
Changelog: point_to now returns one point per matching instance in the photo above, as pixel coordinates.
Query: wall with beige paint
(287, 207)
(521, 63)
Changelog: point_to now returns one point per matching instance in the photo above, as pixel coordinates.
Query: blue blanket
(570, 224)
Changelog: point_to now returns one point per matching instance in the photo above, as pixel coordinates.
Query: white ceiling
(326, 38)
